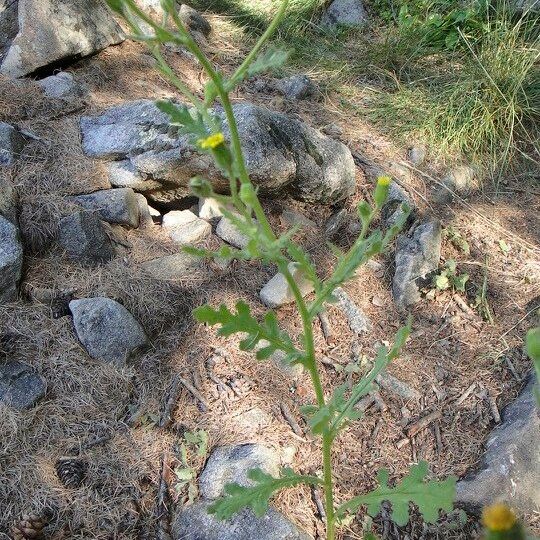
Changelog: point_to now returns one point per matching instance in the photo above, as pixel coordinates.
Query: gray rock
(171, 267)
(11, 144)
(84, 237)
(392, 209)
(145, 214)
(194, 522)
(298, 87)
(290, 218)
(60, 86)
(460, 180)
(8, 200)
(417, 155)
(282, 154)
(417, 255)
(107, 330)
(50, 31)
(510, 468)
(335, 223)
(20, 386)
(227, 231)
(112, 205)
(11, 259)
(358, 321)
(9, 23)
(135, 126)
(124, 174)
(194, 21)
(230, 464)
(345, 13)
(277, 292)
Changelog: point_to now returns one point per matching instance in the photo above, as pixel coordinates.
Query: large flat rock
(283, 155)
(52, 31)
(195, 523)
(510, 468)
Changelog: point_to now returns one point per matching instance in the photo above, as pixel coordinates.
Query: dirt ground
(109, 417)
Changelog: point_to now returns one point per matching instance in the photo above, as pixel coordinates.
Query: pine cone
(30, 527)
(71, 471)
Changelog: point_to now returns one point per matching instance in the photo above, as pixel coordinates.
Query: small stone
(107, 330)
(378, 301)
(20, 386)
(510, 468)
(252, 422)
(11, 144)
(113, 205)
(298, 87)
(460, 180)
(228, 232)
(291, 218)
(194, 21)
(178, 218)
(11, 259)
(185, 227)
(230, 464)
(60, 86)
(358, 321)
(417, 155)
(84, 237)
(345, 13)
(417, 255)
(277, 292)
(392, 211)
(209, 208)
(335, 223)
(196, 523)
(392, 384)
(171, 267)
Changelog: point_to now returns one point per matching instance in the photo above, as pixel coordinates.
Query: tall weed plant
(328, 415)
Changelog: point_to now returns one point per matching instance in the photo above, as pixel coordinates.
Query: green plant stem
(327, 437)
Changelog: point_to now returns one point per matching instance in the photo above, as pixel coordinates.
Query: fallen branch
(326, 328)
(171, 397)
(163, 501)
(423, 423)
(466, 394)
(195, 393)
(291, 420)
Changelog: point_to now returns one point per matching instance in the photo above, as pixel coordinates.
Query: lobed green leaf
(429, 495)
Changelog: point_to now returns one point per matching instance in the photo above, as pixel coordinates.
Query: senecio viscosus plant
(329, 414)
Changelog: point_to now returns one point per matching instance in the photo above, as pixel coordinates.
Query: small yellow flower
(212, 141)
(384, 180)
(498, 517)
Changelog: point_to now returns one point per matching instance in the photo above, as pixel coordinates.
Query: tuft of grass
(485, 104)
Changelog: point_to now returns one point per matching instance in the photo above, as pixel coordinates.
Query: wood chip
(423, 423)
(392, 384)
(466, 394)
(326, 328)
(494, 409)
(318, 503)
(403, 442)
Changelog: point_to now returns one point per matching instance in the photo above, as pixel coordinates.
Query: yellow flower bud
(212, 141)
(498, 517)
(384, 180)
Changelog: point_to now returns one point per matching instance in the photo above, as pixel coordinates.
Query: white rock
(177, 218)
(228, 232)
(209, 208)
(185, 227)
(277, 292)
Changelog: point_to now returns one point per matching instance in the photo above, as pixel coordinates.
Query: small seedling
(449, 278)
(195, 445)
(457, 240)
(481, 302)
(331, 412)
